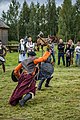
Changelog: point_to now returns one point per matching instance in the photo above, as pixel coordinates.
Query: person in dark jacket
(61, 48)
(3, 51)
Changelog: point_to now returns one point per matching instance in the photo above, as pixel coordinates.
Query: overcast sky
(4, 4)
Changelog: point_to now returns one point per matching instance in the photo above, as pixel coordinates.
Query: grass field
(61, 101)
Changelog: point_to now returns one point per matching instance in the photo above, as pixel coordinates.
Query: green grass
(59, 102)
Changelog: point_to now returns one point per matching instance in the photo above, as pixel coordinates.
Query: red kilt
(25, 85)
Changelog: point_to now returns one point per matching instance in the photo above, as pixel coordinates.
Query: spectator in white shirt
(22, 51)
(30, 45)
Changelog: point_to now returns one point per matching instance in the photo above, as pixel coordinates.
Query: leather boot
(40, 84)
(24, 99)
(47, 82)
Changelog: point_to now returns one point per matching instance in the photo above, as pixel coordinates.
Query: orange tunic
(17, 69)
(43, 58)
(36, 61)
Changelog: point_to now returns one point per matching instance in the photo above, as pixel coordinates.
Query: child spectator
(68, 55)
(72, 50)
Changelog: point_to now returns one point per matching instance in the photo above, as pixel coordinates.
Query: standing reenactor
(3, 51)
(46, 71)
(22, 50)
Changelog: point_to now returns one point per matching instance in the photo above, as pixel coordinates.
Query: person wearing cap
(26, 87)
(3, 51)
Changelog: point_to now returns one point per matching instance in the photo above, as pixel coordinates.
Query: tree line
(28, 20)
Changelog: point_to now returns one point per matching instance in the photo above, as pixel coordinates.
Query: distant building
(3, 32)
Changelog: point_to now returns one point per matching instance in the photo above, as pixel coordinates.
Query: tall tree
(31, 27)
(24, 19)
(11, 17)
(73, 23)
(64, 25)
(51, 17)
(4, 17)
(37, 18)
(43, 22)
(77, 23)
